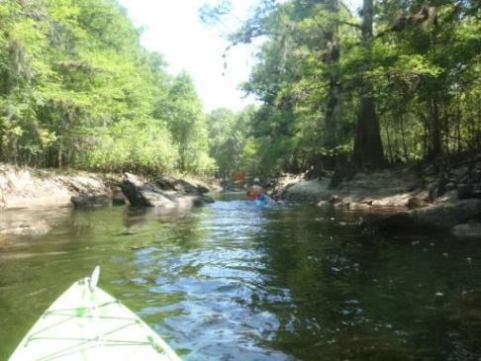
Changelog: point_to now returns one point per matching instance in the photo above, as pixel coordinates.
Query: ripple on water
(232, 281)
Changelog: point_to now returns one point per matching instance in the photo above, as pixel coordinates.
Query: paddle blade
(94, 278)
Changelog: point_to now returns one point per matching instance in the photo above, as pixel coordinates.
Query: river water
(232, 281)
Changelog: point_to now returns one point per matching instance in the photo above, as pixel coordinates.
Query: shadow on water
(358, 298)
(233, 281)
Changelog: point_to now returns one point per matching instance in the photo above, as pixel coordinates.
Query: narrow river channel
(232, 281)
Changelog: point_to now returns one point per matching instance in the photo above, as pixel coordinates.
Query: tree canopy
(398, 82)
(77, 89)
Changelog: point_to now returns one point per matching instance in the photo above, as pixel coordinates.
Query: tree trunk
(403, 135)
(59, 157)
(333, 114)
(435, 144)
(368, 149)
(2, 146)
(390, 145)
(182, 159)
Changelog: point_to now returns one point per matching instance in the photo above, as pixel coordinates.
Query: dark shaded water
(235, 282)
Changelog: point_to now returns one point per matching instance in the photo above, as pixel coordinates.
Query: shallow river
(233, 281)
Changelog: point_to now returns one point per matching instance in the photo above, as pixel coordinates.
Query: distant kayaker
(256, 191)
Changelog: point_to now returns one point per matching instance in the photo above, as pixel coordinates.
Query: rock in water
(165, 183)
(142, 194)
(439, 216)
(467, 230)
(91, 200)
(118, 198)
(180, 185)
(415, 202)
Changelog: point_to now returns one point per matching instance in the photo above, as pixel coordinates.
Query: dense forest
(397, 82)
(78, 90)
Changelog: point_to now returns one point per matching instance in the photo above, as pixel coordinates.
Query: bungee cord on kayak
(92, 326)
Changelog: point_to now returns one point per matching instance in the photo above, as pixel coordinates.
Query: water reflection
(232, 281)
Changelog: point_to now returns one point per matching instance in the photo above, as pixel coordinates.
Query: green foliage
(231, 143)
(320, 73)
(77, 89)
(223, 141)
(187, 125)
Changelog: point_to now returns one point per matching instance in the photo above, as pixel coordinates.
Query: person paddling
(257, 193)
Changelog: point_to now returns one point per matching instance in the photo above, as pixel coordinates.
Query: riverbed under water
(232, 281)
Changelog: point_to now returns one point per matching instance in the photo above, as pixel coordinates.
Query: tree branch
(354, 25)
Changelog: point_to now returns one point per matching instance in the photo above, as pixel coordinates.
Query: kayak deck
(85, 324)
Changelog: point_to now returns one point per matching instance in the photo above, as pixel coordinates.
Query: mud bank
(434, 197)
(26, 188)
(23, 191)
